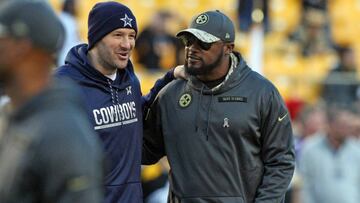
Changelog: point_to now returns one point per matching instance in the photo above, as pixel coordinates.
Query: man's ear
(22, 48)
(228, 48)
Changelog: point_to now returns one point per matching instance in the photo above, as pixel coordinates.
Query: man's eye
(204, 45)
(188, 42)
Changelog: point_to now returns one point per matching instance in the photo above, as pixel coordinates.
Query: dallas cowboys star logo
(127, 20)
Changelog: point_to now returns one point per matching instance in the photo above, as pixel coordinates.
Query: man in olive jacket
(226, 131)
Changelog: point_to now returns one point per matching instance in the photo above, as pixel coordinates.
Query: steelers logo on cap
(202, 19)
(185, 100)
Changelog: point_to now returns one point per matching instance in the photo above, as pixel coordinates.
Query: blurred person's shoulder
(313, 142)
(354, 144)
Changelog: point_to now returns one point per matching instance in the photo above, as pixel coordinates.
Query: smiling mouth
(123, 56)
(193, 58)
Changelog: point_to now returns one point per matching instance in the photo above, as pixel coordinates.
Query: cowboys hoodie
(115, 109)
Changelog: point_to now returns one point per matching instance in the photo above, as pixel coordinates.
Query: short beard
(105, 59)
(205, 69)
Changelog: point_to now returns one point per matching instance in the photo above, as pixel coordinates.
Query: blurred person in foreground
(226, 131)
(44, 125)
(112, 95)
(330, 162)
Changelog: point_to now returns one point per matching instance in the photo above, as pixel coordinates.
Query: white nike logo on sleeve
(282, 118)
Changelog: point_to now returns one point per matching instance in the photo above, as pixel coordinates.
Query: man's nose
(126, 43)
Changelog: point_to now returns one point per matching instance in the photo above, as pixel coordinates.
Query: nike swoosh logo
(282, 118)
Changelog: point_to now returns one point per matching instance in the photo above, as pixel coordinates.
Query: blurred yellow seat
(344, 15)
(284, 15)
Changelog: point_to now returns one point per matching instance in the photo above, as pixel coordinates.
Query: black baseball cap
(211, 26)
(33, 20)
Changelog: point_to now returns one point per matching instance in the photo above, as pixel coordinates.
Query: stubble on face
(204, 68)
(106, 58)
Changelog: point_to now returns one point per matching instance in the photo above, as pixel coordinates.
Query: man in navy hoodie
(113, 96)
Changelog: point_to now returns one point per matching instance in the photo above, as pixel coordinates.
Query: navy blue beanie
(105, 17)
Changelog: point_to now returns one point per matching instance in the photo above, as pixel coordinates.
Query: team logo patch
(185, 100)
(126, 20)
(128, 90)
(202, 19)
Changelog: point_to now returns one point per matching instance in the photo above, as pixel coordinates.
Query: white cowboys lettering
(115, 115)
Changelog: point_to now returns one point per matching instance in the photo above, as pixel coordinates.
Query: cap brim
(201, 35)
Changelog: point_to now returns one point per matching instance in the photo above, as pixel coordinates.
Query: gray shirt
(330, 176)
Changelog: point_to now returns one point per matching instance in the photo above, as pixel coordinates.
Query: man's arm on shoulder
(177, 72)
(153, 142)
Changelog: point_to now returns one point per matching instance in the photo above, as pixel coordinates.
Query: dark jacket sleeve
(153, 141)
(69, 161)
(277, 149)
(148, 99)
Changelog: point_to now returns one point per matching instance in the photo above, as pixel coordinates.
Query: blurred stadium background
(280, 59)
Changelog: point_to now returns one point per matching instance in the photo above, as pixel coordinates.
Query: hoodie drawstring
(208, 114)
(198, 109)
(114, 94)
(117, 96)
(208, 117)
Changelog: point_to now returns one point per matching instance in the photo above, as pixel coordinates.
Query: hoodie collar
(234, 65)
